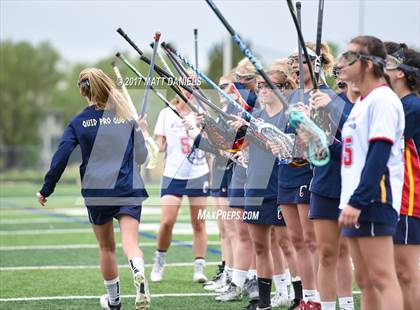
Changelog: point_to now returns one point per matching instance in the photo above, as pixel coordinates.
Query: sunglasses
(224, 86)
(84, 82)
(246, 78)
(393, 62)
(295, 58)
(265, 85)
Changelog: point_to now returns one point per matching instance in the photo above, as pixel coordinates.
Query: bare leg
(327, 235)
(378, 254)
(106, 241)
(170, 207)
(344, 270)
(294, 228)
(198, 226)
(370, 298)
(407, 260)
(130, 236)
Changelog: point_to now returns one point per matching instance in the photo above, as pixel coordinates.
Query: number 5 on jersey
(185, 143)
(348, 152)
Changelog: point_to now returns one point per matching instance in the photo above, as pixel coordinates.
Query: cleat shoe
(105, 305)
(297, 304)
(157, 270)
(142, 292)
(232, 293)
(251, 288)
(224, 287)
(217, 282)
(279, 300)
(199, 275)
(253, 305)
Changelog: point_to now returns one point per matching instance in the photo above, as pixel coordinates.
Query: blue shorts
(408, 230)
(236, 190)
(369, 229)
(236, 198)
(324, 208)
(100, 215)
(220, 183)
(197, 187)
(269, 213)
(297, 195)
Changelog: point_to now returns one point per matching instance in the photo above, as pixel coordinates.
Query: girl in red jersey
(403, 69)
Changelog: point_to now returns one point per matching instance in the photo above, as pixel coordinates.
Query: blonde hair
(282, 71)
(102, 92)
(230, 76)
(246, 65)
(327, 57)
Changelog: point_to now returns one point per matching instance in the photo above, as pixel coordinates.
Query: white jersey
(378, 116)
(179, 145)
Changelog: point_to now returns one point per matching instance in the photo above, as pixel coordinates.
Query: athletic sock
(280, 282)
(239, 277)
(297, 288)
(229, 272)
(310, 295)
(264, 291)
(328, 305)
(113, 289)
(288, 276)
(252, 273)
(161, 253)
(136, 265)
(346, 303)
(199, 261)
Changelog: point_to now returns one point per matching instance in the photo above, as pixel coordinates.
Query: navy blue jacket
(112, 151)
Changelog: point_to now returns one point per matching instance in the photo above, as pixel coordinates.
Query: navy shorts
(220, 184)
(369, 229)
(324, 208)
(268, 211)
(100, 215)
(197, 187)
(298, 195)
(408, 230)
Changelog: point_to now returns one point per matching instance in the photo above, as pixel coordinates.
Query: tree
(28, 74)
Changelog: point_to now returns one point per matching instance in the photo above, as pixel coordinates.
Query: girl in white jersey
(185, 174)
(372, 173)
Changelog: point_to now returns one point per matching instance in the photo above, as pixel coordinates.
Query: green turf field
(49, 258)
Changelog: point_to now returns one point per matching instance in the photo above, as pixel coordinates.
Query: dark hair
(372, 46)
(410, 63)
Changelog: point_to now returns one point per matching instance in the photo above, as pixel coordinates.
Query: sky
(85, 31)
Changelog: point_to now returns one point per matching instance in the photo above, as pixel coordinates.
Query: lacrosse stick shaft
(247, 52)
(163, 73)
(124, 90)
(318, 62)
(150, 75)
(142, 77)
(300, 59)
(302, 42)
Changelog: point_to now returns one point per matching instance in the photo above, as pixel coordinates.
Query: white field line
(180, 229)
(57, 267)
(123, 296)
(86, 246)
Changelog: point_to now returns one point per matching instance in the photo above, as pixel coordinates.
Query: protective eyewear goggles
(349, 58)
(245, 78)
